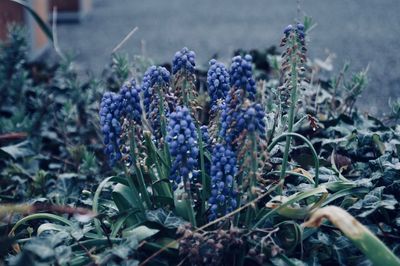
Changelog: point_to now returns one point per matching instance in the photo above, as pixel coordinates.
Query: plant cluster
(225, 175)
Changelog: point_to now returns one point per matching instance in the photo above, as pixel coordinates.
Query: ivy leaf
(373, 200)
(17, 151)
(47, 250)
(123, 251)
(141, 232)
(164, 218)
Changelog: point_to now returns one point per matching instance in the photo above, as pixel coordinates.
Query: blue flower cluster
(155, 78)
(113, 109)
(237, 116)
(218, 82)
(110, 115)
(242, 77)
(182, 141)
(223, 171)
(130, 101)
(229, 119)
(235, 121)
(299, 30)
(253, 119)
(184, 60)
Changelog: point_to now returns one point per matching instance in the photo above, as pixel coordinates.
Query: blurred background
(362, 32)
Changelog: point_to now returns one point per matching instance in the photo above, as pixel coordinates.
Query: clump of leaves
(13, 75)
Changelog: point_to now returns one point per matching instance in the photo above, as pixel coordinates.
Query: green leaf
(290, 200)
(41, 216)
(17, 151)
(378, 142)
(289, 235)
(164, 218)
(141, 232)
(68, 175)
(361, 237)
(96, 197)
(374, 200)
(294, 212)
(50, 227)
(116, 226)
(43, 25)
(127, 198)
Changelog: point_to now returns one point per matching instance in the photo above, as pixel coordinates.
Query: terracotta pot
(71, 10)
(13, 13)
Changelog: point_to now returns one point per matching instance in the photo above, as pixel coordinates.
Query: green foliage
(395, 108)
(13, 75)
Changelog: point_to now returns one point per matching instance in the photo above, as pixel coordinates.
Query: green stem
(161, 111)
(237, 216)
(184, 93)
(190, 209)
(290, 127)
(138, 171)
(205, 188)
(253, 177)
(307, 142)
(272, 132)
(297, 125)
(293, 100)
(189, 205)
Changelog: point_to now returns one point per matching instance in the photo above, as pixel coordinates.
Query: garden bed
(262, 162)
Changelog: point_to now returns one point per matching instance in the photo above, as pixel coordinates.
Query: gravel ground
(364, 32)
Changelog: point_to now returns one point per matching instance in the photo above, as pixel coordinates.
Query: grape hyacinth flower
(184, 60)
(288, 29)
(184, 88)
(235, 122)
(155, 76)
(299, 31)
(155, 84)
(114, 110)
(241, 76)
(110, 116)
(182, 142)
(253, 119)
(293, 67)
(230, 117)
(234, 115)
(130, 101)
(223, 171)
(218, 83)
(293, 79)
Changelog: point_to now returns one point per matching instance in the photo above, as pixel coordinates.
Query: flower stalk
(293, 57)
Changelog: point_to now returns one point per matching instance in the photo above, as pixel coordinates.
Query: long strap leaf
(364, 239)
(42, 24)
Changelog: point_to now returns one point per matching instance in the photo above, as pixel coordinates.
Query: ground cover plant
(264, 161)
